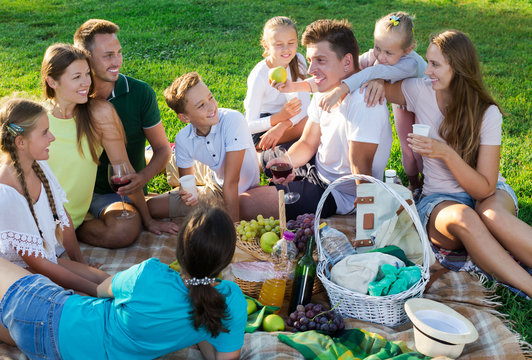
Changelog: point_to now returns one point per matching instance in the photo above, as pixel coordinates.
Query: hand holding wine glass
(282, 170)
(117, 178)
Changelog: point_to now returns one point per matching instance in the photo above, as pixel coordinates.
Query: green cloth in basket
(391, 280)
(255, 319)
(349, 344)
(394, 251)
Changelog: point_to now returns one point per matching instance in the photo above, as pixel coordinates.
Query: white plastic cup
(421, 129)
(188, 183)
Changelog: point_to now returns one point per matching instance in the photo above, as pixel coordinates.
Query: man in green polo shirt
(136, 104)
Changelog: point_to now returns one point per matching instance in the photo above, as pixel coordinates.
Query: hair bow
(14, 129)
(394, 20)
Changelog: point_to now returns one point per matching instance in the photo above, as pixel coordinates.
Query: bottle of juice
(304, 278)
(273, 289)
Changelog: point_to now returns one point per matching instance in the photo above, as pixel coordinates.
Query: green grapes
(253, 229)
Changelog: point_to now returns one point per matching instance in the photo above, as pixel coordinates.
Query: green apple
(273, 323)
(267, 240)
(277, 74)
(252, 307)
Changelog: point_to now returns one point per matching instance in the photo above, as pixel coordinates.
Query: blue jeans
(30, 310)
(426, 204)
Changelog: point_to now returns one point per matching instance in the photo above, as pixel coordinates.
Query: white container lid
(390, 173)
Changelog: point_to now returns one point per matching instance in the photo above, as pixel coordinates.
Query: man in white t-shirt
(218, 138)
(353, 138)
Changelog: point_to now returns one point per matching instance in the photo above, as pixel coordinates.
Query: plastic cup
(421, 129)
(188, 183)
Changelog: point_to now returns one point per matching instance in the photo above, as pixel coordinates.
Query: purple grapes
(303, 228)
(315, 317)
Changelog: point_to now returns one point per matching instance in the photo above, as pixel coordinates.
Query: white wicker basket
(387, 310)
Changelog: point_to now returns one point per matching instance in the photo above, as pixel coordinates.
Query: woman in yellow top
(84, 127)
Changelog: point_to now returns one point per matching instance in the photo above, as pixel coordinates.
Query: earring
(345, 69)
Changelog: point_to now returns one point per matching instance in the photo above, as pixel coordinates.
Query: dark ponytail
(205, 246)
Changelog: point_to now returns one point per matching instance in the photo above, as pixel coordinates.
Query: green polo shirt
(136, 104)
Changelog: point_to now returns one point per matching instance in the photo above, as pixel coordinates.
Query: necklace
(63, 113)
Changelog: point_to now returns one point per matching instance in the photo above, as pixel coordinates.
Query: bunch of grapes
(314, 317)
(303, 228)
(255, 228)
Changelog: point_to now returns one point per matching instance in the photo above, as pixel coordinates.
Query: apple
(277, 74)
(268, 240)
(273, 323)
(252, 307)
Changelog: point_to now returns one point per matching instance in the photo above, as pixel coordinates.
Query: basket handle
(282, 212)
(415, 218)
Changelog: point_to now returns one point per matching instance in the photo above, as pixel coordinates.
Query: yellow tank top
(76, 172)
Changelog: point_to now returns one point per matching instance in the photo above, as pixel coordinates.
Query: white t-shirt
(262, 98)
(421, 100)
(352, 120)
(230, 134)
(18, 230)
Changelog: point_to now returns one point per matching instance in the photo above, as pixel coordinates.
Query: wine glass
(116, 178)
(281, 168)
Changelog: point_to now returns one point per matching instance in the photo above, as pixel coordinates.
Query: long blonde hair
(272, 25)
(18, 117)
(470, 99)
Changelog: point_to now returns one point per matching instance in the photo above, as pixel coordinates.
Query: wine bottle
(304, 278)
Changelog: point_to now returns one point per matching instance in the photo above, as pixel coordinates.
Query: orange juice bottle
(272, 292)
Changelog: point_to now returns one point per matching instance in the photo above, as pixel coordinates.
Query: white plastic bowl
(438, 329)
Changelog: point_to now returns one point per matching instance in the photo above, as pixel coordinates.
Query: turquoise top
(147, 318)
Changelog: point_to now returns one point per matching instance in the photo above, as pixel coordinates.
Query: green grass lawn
(162, 39)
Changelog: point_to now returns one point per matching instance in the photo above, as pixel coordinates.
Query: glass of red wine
(117, 173)
(281, 168)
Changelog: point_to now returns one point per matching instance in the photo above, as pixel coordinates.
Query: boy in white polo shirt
(218, 138)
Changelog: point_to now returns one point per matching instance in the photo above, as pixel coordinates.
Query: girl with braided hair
(32, 216)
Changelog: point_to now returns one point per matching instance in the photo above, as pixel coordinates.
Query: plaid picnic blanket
(463, 292)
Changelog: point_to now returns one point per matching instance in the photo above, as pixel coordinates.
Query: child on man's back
(392, 59)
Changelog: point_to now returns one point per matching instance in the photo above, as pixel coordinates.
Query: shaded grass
(220, 39)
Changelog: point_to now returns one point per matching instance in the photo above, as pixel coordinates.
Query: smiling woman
(466, 203)
(95, 126)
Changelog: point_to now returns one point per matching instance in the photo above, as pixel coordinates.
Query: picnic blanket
(461, 291)
(349, 344)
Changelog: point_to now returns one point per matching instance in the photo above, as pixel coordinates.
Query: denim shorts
(100, 202)
(426, 204)
(30, 310)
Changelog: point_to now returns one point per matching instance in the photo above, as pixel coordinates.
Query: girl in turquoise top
(143, 312)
